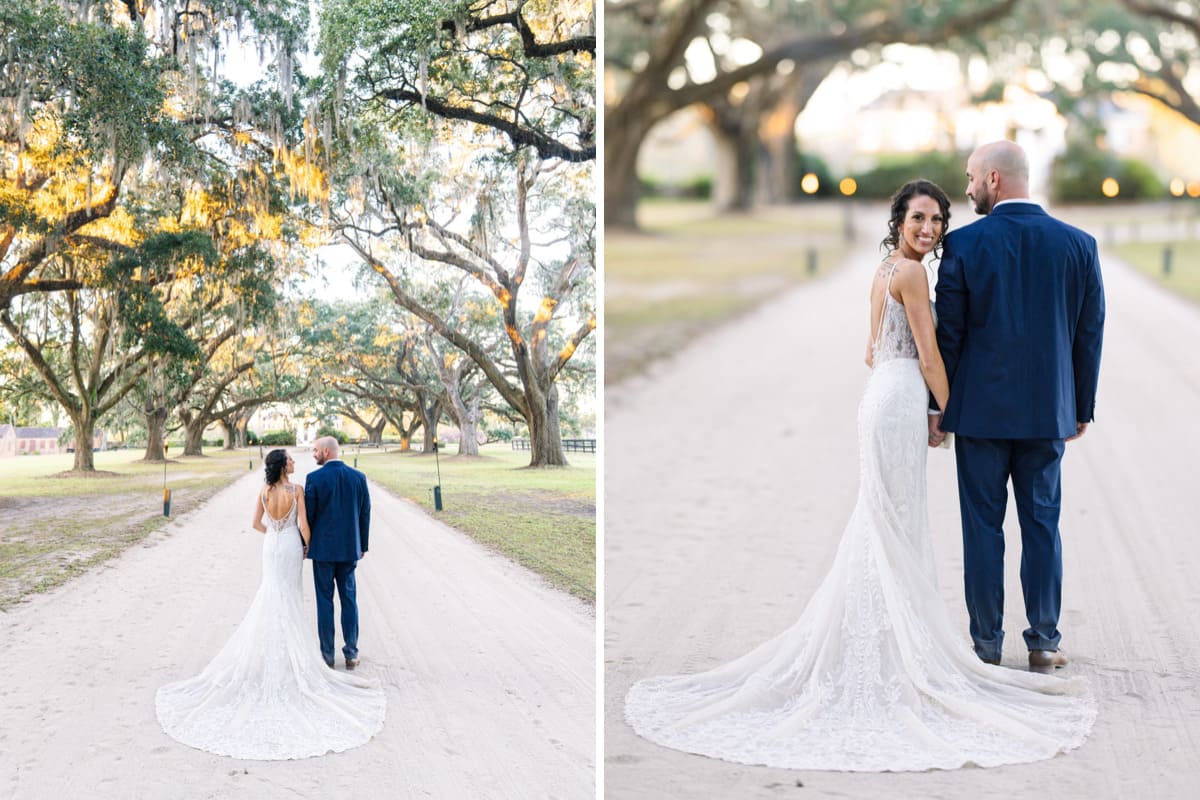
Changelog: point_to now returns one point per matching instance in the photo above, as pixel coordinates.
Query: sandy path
(731, 473)
(489, 674)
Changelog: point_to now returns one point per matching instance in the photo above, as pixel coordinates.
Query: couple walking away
(874, 676)
(271, 693)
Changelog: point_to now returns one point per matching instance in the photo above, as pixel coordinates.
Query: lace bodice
(893, 336)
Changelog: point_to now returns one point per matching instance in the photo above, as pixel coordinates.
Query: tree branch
(531, 47)
(546, 146)
(571, 346)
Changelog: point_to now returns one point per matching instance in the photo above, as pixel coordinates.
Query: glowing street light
(810, 183)
(848, 187)
(1110, 187)
(1178, 187)
(1193, 189)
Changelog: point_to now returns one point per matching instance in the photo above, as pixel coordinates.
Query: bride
(268, 695)
(872, 677)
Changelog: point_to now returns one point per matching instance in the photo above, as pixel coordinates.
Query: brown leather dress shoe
(351, 663)
(1046, 660)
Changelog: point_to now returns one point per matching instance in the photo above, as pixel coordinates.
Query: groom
(1020, 309)
(339, 516)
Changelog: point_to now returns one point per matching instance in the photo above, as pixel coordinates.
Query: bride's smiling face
(923, 226)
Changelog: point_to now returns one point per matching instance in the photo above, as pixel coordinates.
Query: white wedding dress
(268, 695)
(873, 676)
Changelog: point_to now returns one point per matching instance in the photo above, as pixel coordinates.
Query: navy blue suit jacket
(1020, 318)
(339, 512)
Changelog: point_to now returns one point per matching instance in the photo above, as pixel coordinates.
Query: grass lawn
(54, 528)
(1184, 278)
(690, 269)
(544, 519)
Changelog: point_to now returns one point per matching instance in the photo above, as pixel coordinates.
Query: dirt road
(732, 470)
(489, 674)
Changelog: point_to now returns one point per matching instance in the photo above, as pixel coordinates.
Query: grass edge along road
(543, 519)
(691, 269)
(54, 527)
(1147, 258)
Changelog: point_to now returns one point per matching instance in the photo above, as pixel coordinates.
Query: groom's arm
(311, 501)
(951, 305)
(364, 515)
(1089, 334)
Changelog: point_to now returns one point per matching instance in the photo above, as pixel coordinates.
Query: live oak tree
(407, 240)
(91, 345)
(522, 68)
(91, 146)
(1143, 46)
(461, 146)
(358, 347)
(652, 78)
(267, 367)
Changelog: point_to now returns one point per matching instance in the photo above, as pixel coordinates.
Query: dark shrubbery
(326, 430)
(698, 188)
(947, 170)
(277, 438)
(1081, 169)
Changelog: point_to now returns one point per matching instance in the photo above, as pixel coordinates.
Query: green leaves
(523, 71)
(98, 81)
(135, 277)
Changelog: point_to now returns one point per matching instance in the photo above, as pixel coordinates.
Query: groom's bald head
(325, 448)
(997, 171)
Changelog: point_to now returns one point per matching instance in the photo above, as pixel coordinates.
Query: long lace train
(873, 676)
(267, 695)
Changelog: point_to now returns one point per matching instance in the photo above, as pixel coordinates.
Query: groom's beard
(983, 203)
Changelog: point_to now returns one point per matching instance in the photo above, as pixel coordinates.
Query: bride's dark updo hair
(273, 465)
(900, 201)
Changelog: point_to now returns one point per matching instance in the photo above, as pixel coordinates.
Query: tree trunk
(466, 418)
(545, 438)
(194, 438)
(405, 442)
(737, 168)
(85, 430)
(429, 422)
(622, 143)
(240, 431)
(230, 434)
(375, 432)
(468, 425)
(778, 135)
(156, 434)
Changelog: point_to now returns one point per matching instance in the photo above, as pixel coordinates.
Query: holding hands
(936, 434)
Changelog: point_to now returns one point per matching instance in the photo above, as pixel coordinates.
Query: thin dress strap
(887, 292)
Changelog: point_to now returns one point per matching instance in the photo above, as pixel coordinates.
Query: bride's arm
(913, 288)
(258, 514)
(302, 517)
